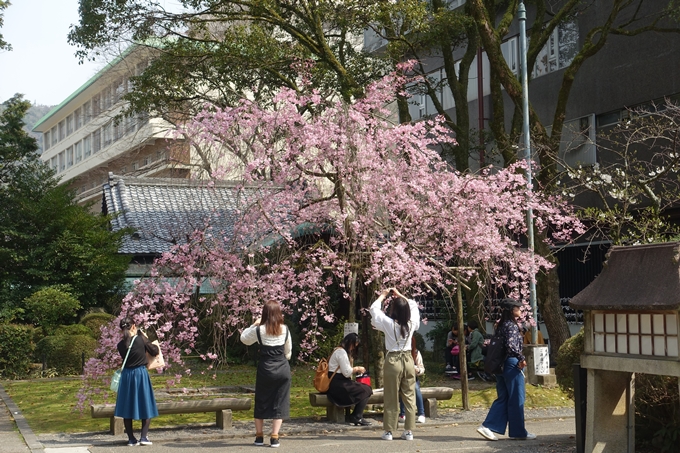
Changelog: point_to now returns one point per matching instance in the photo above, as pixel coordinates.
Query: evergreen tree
(46, 238)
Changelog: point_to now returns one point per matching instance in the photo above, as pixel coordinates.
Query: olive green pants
(399, 377)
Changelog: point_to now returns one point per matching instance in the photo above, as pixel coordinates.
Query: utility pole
(526, 155)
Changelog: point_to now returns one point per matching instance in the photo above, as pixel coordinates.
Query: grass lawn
(49, 404)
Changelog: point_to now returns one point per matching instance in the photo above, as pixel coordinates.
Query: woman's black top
(137, 356)
(514, 341)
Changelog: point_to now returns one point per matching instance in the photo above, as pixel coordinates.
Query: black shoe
(259, 441)
(274, 442)
(360, 421)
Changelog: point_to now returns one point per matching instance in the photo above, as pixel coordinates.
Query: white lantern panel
(671, 325)
(610, 322)
(599, 322)
(599, 342)
(634, 344)
(622, 344)
(646, 324)
(659, 345)
(621, 325)
(672, 346)
(646, 344)
(611, 343)
(633, 324)
(658, 320)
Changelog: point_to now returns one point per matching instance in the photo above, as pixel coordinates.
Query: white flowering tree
(636, 183)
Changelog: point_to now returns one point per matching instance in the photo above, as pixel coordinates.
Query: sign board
(351, 327)
(541, 360)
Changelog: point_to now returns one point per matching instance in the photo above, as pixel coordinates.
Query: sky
(42, 66)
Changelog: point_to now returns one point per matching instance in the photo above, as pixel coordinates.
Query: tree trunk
(548, 292)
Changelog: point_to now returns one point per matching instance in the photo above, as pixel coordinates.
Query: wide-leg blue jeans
(508, 409)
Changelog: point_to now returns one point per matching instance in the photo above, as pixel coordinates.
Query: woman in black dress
(135, 399)
(272, 384)
(343, 391)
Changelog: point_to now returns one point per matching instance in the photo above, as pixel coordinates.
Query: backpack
(321, 380)
(495, 354)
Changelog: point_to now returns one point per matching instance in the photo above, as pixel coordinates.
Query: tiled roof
(164, 211)
(639, 277)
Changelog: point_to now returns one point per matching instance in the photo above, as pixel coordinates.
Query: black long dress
(272, 384)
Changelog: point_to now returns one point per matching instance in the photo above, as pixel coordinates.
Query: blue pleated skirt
(135, 395)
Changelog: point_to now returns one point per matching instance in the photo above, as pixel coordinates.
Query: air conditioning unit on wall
(577, 146)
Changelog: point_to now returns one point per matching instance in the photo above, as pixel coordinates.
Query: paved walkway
(454, 431)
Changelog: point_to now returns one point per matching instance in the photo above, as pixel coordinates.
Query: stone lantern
(631, 325)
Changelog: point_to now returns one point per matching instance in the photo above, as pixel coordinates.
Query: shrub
(65, 352)
(95, 321)
(16, 350)
(569, 354)
(51, 306)
(74, 329)
(656, 411)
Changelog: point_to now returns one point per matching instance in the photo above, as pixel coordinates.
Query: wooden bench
(336, 414)
(221, 406)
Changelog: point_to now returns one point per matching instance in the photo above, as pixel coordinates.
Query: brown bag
(153, 362)
(321, 380)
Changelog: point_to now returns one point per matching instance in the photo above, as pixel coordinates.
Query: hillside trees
(4, 45)
(45, 237)
(396, 214)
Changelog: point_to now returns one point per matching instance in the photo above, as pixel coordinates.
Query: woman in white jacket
(398, 324)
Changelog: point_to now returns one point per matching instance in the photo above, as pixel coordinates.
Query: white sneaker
(402, 418)
(387, 435)
(486, 432)
(530, 436)
(407, 435)
(420, 419)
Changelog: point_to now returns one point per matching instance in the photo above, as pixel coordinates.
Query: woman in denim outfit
(508, 408)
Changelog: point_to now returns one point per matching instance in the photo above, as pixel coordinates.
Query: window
(118, 129)
(106, 98)
(55, 135)
(107, 134)
(135, 166)
(559, 51)
(146, 161)
(69, 157)
(142, 119)
(87, 112)
(96, 105)
(96, 141)
(129, 125)
(69, 125)
(54, 164)
(123, 170)
(118, 89)
(79, 151)
(87, 146)
(62, 161)
(510, 53)
(46, 140)
(62, 130)
(78, 117)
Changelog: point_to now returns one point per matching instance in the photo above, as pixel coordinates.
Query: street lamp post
(526, 155)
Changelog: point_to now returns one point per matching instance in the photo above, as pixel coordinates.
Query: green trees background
(57, 260)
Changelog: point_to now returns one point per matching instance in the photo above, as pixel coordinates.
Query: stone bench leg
(335, 414)
(116, 426)
(430, 407)
(223, 419)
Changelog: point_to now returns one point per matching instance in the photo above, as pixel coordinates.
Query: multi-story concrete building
(86, 137)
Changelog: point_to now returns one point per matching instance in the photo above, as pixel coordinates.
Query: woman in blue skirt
(135, 399)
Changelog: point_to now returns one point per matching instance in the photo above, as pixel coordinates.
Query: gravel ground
(203, 432)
